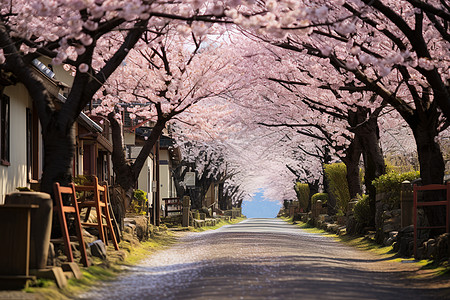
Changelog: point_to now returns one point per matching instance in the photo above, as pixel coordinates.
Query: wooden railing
(420, 204)
(172, 202)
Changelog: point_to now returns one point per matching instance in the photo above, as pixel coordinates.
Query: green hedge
(319, 196)
(362, 210)
(302, 190)
(391, 183)
(337, 179)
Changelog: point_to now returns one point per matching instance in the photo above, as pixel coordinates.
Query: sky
(260, 207)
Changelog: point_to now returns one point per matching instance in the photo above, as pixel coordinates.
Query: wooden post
(186, 210)
(407, 203)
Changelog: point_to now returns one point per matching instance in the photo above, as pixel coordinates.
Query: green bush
(139, 202)
(391, 184)
(302, 190)
(362, 210)
(319, 196)
(337, 178)
(83, 179)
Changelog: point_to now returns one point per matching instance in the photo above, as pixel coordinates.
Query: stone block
(98, 249)
(51, 260)
(388, 228)
(142, 228)
(129, 220)
(73, 268)
(54, 273)
(386, 214)
(443, 246)
(130, 228)
(333, 228)
(199, 223)
(396, 212)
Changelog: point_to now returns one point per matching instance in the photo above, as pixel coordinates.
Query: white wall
(15, 175)
(145, 179)
(60, 74)
(164, 175)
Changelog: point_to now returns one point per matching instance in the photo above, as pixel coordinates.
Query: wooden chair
(99, 201)
(61, 210)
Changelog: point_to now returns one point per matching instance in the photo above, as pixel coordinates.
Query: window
(4, 130)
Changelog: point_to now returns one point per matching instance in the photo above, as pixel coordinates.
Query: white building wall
(60, 74)
(164, 175)
(15, 175)
(145, 179)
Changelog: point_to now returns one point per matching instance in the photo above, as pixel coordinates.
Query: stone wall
(391, 217)
(233, 213)
(137, 226)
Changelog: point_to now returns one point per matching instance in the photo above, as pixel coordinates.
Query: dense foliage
(362, 210)
(302, 191)
(336, 175)
(319, 196)
(391, 184)
(333, 59)
(140, 202)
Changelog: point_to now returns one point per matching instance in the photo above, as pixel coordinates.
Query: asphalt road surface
(264, 259)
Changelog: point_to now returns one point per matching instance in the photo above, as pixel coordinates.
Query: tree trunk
(374, 165)
(431, 162)
(201, 188)
(178, 176)
(432, 169)
(313, 189)
(121, 166)
(351, 161)
(59, 149)
(127, 173)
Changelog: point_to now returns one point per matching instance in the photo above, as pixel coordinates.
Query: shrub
(139, 202)
(362, 210)
(391, 183)
(337, 178)
(83, 179)
(319, 196)
(302, 190)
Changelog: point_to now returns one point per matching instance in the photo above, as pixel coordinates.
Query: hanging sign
(189, 179)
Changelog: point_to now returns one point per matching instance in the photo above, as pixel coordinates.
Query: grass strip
(429, 268)
(47, 289)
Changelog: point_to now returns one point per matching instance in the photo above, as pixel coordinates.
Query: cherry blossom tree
(286, 95)
(164, 79)
(395, 52)
(94, 37)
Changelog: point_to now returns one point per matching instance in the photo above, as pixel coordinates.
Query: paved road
(261, 259)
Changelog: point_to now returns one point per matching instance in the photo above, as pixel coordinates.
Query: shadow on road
(262, 259)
